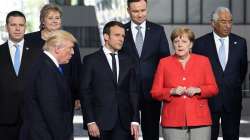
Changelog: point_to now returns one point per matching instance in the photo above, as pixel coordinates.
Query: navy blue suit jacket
(48, 103)
(103, 99)
(71, 70)
(230, 80)
(155, 47)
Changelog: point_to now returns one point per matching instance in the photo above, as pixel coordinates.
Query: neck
(183, 59)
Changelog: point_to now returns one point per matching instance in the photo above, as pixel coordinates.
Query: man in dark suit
(228, 55)
(146, 42)
(48, 100)
(108, 90)
(15, 59)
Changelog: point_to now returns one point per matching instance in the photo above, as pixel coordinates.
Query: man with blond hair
(48, 100)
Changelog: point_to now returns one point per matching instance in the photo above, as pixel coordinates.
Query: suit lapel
(214, 53)
(146, 40)
(53, 66)
(230, 50)
(130, 40)
(105, 64)
(25, 59)
(8, 60)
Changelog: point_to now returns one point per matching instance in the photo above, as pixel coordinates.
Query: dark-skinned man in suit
(228, 55)
(108, 89)
(146, 42)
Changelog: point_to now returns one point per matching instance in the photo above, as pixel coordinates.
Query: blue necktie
(17, 59)
(222, 54)
(60, 69)
(139, 40)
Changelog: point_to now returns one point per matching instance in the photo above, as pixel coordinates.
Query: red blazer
(183, 110)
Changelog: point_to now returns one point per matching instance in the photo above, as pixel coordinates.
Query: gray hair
(215, 14)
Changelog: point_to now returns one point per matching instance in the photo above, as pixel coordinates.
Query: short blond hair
(180, 31)
(57, 38)
(45, 11)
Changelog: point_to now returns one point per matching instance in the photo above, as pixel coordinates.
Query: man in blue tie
(228, 55)
(15, 57)
(48, 101)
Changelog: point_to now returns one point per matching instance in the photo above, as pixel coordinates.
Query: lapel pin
(27, 49)
(235, 42)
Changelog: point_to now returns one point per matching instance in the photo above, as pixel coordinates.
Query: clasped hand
(180, 90)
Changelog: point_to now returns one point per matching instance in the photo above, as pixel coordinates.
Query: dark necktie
(114, 67)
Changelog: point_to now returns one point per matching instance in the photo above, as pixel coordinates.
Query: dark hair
(14, 14)
(130, 1)
(106, 29)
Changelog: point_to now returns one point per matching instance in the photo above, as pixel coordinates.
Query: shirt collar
(20, 43)
(143, 25)
(217, 37)
(52, 58)
(107, 51)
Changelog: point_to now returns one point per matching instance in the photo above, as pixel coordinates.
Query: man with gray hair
(48, 99)
(228, 55)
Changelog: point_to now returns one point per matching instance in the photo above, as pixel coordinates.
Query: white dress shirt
(134, 30)
(12, 49)
(218, 44)
(52, 58)
(107, 53)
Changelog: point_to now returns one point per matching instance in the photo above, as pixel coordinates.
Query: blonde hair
(57, 38)
(45, 11)
(180, 31)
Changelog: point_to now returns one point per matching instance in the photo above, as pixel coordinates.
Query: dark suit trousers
(150, 118)
(9, 132)
(117, 133)
(230, 123)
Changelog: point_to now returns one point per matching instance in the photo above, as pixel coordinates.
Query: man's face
(65, 52)
(223, 25)
(138, 11)
(114, 40)
(16, 28)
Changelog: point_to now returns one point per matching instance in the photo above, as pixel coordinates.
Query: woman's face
(182, 45)
(52, 21)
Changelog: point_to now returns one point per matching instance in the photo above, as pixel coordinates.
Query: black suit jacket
(71, 70)
(103, 99)
(230, 80)
(48, 103)
(12, 87)
(155, 47)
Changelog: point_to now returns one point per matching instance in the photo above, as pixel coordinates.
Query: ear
(191, 45)
(106, 37)
(56, 50)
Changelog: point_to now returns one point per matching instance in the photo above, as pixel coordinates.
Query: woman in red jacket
(184, 82)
